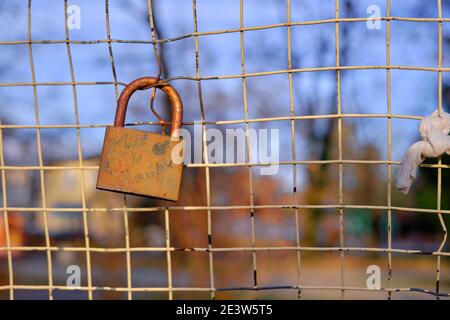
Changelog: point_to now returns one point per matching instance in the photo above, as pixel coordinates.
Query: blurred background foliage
(314, 93)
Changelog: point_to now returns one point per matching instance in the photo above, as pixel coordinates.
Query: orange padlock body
(140, 163)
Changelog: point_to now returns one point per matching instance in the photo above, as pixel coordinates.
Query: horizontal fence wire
(168, 248)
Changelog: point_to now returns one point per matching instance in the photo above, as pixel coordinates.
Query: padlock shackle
(146, 83)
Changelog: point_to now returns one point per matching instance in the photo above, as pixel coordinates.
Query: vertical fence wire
(80, 157)
(389, 146)
(205, 153)
(439, 182)
(125, 206)
(40, 158)
(341, 166)
(294, 148)
(247, 141)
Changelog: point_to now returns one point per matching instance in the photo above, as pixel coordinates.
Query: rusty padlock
(139, 162)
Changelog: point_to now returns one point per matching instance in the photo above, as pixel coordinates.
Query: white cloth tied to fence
(434, 131)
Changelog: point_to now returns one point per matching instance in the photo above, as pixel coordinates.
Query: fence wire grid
(168, 249)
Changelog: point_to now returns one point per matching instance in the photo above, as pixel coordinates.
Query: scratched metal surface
(140, 163)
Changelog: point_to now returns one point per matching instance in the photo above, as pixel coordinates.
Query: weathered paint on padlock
(139, 162)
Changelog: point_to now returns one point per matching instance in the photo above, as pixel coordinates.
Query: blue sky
(413, 92)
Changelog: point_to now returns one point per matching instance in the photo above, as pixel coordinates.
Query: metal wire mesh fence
(83, 166)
